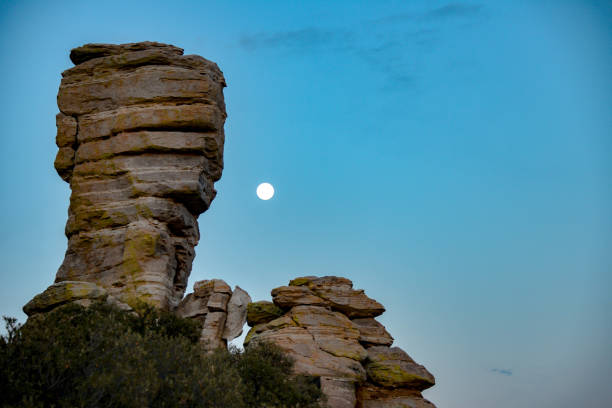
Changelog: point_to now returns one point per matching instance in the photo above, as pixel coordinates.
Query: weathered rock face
(140, 137)
(330, 330)
(221, 311)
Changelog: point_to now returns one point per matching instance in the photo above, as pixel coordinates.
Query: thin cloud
(449, 11)
(306, 38)
(454, 10)
(502, 371)
(390, 49)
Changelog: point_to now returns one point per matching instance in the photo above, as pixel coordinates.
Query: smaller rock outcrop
(61, 293)
(221, 311)
(330, 331)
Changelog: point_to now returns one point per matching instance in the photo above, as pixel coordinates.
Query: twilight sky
(452, 159)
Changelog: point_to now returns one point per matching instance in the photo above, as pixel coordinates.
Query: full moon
(265, 191)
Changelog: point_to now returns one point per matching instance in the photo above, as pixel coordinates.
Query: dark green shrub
(266, 374)
(103, 357)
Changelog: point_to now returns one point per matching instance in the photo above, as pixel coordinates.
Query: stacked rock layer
(140, 137)
(221, 311)
(330, 331)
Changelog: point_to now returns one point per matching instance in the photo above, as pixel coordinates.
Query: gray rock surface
(236, 314)
(221, 311)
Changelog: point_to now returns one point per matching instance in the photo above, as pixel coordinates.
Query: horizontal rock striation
(330, 331)
(140, 138)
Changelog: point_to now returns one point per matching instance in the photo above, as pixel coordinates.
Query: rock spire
(140, 137)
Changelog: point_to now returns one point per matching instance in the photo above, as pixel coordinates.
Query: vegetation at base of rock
(104, 357)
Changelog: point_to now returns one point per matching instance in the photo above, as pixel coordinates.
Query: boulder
(64, 292)
(286, 297)
(273, 325)
(205, 288)
(236, 313)
(221, 311)
(262, 312)
(393, 368)
(372, 333)
(90, 51)
(339, 294)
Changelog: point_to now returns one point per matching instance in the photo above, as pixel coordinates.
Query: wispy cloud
(454, 10)
(306, 38)
(502, 371)
(388, 48)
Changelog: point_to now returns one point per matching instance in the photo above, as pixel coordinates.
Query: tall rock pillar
(140, 137)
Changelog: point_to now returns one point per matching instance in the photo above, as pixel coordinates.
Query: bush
(103, 357)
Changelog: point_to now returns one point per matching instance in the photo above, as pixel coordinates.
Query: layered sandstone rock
(140, 137)
(221, 311)
(330, 330)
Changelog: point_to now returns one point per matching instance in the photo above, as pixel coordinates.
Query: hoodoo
(140, 137)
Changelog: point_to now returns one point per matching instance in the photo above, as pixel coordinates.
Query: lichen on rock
(140, 138)
(330, 331)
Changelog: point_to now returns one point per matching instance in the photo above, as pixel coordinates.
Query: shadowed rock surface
(140, 137)
(221, 311)
(330, 330)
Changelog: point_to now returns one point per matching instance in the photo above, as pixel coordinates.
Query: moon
(265, 191)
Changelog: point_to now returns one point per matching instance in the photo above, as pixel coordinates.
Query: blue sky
(453, 159)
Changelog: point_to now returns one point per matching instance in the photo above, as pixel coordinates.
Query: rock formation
(140, 137)
(222, 312)
(330, 330)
